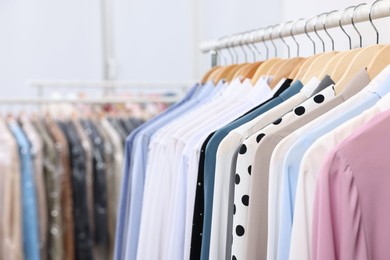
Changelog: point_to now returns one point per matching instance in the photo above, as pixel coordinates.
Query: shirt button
(54, 231)
(54, 213)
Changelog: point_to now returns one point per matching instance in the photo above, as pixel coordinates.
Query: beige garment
(62, 149)
(114, 186)
(37, 156)
(11, 240)
(87, 146)
(55, 247)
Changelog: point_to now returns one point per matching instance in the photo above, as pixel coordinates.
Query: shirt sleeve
(337, 222)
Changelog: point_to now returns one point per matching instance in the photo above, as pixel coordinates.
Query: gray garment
(53, 188)
(269, 142)
(325, 82)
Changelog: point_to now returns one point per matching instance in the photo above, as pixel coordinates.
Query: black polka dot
(278, 121)
(237, 179)
(245, 200)
(234, 209)
(234, 258)
(259, 137)
(319, 99)
(240, 230)
(250, 169)
(243, 149)
(299, 111)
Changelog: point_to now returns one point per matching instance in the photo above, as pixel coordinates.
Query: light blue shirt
(292, 161)
(29, 204)
(125, 191)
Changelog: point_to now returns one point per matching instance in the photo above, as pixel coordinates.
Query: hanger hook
(252, 42)
(247, 43)
(370, 18)
(307, 34)
(231, 45)
(241, 43)
(324, 27)
(227, 47)
(353, 23)
(292, 35)
(315, 31)
(219, 49)
(266, 46)
(271, 38)
(342, 28)
(281, 37)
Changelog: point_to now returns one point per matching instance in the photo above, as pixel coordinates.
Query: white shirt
(221, 197)
(308, 173)
(188, 152)
(161, 187)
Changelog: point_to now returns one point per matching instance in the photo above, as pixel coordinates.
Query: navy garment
(197, 226)
(210, 157)
(99, 184)
(83, 239)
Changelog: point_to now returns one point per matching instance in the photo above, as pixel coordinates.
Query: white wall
(154, 40)
(48, 40)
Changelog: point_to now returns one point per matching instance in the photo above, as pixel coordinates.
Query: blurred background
(138, 40)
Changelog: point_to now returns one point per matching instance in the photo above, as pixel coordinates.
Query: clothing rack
(380, 9)
(109, 86)
(107, 100)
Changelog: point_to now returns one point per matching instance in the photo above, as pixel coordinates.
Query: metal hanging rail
(109, 100)
(380, 9)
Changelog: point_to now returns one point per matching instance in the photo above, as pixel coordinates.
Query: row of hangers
(341, 66)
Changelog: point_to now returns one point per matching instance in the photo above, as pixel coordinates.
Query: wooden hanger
(285, 69)
(274, 68)
(317, 65)
(251, 70)
(241, 70)
(379, 62)
(305, 66)
(341, 66)
(361, 60)
(224, 73)
(206, 76)
(248, 71)
(332, 64)
(263, 69)
(232, 74)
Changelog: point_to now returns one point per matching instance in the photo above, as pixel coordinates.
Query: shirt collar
(381, 83)
(310, 86)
